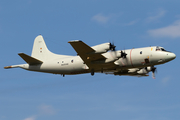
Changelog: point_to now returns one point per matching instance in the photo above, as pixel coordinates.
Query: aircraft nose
(171, 56)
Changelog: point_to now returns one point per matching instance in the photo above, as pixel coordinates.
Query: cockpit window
(160, 49)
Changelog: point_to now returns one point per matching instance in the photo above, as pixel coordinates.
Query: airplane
(102, 58)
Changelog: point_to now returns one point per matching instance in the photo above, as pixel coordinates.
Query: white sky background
(28, 95)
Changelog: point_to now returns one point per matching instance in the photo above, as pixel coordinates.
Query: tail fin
(40, 53)
(40, 50)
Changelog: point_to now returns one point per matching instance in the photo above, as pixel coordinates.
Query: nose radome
(171, 56)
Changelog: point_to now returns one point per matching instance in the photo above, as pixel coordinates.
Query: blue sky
(26, 95)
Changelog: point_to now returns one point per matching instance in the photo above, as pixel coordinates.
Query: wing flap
(30, 60)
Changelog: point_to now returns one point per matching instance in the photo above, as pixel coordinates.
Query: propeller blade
(153, 75)
(123, 54)
(153, 69)
(112, 46)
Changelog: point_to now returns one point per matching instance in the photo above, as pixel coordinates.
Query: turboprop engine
(114, 56)
(103, 48)
(147, 70)
(143, 71)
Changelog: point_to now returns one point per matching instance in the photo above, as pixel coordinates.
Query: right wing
(86, 52)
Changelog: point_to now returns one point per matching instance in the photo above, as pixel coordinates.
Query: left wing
(86, 52)
(131, 72)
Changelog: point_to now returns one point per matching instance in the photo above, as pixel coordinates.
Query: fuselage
(136, 58)
(100, 58)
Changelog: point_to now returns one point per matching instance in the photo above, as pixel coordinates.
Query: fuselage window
(72, 61)
(141, 52)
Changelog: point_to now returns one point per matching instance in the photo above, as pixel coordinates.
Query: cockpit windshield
(160, 49)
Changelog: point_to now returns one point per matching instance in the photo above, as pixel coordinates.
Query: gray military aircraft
(101, 58)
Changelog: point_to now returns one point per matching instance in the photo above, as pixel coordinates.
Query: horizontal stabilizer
(30, 60)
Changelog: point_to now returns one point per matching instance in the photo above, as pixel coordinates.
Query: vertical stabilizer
(41, 52)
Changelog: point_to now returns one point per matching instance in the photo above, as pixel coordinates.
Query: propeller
(112, 47)
(123, 54)
(153, 69)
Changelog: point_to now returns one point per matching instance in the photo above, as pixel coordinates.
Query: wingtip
(73, 41)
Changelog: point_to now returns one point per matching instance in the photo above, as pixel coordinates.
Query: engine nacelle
(142, 71)
(102, 48)
(133, 70)
(109, 60)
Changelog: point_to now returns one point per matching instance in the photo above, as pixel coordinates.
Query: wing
(86, 52)
(127, 73)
